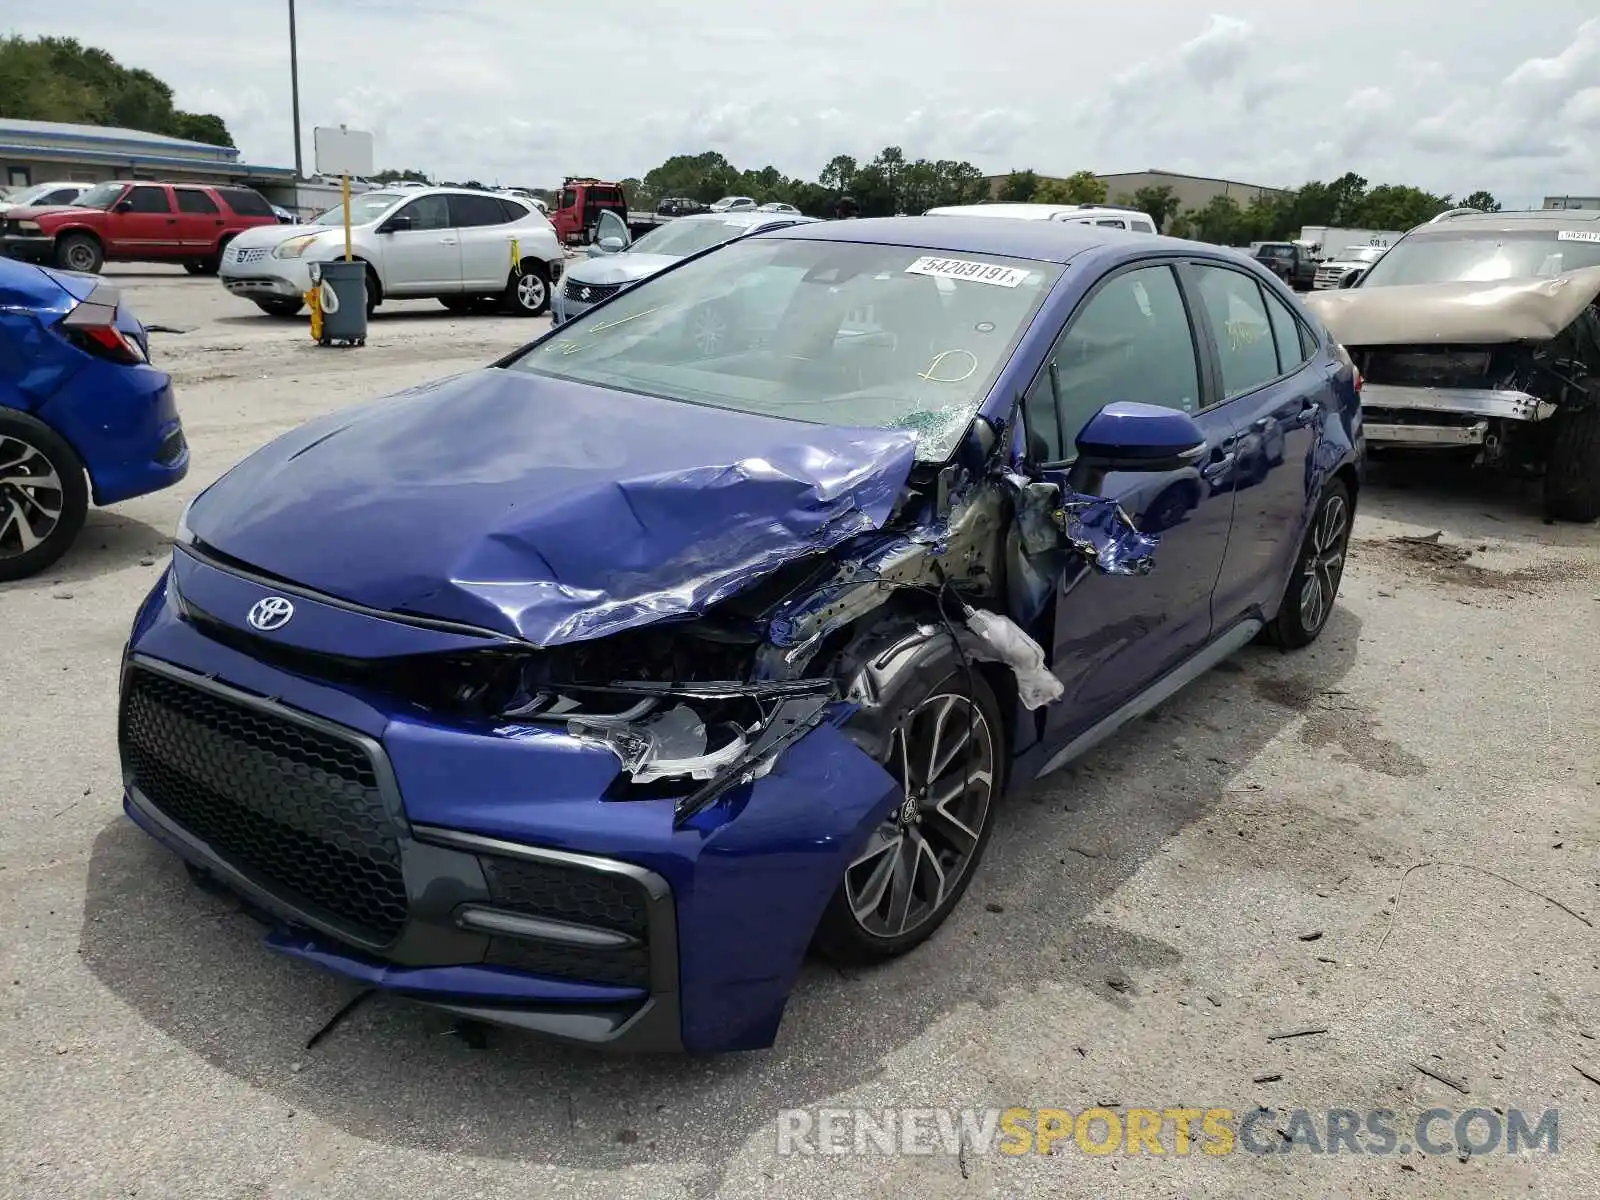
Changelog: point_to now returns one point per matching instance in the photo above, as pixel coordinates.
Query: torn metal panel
(623, 511)
(1456, 313)
(1103, 532)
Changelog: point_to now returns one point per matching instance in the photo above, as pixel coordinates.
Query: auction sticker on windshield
(1578, 235)
(961, 268)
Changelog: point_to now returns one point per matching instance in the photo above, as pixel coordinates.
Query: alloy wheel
(943, 755)
(531, 292)
(31, 497)
(1324, 563)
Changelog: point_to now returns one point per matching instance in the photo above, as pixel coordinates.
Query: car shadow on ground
(108, 542)
(1451, 495)
(192, 966)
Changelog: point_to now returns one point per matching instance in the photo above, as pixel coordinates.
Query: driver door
(1133, 338)
(426, 256)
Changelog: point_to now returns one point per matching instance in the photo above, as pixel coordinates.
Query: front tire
(528, 293)
(1318, 569)
(280, 308)
(1572, 475)
(948, 754)
(80, 252)
(43, 496)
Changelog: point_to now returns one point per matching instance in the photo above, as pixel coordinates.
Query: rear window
(246, 202)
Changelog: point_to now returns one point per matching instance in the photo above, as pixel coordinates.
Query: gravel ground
(1140, 926)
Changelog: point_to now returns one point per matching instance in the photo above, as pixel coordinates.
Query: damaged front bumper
(490, 869)
(1442, 416)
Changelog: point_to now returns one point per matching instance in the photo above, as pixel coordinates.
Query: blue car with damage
(588, 691)
(83, 414)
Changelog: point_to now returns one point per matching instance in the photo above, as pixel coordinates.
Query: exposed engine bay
(1507, 372)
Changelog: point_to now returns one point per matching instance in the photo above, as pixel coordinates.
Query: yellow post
(346, 188)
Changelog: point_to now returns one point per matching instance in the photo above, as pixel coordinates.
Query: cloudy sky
(1262, 92)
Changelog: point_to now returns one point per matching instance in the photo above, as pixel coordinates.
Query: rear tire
(195, 268)
(528, 292)
(43, 495)
(80, 252)
(1572, 475)
(1313, 586)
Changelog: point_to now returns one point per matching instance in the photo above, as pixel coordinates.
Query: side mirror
(123, 206)
(401, 224)
(1125, 436)
(1351, 279)
(612, 245)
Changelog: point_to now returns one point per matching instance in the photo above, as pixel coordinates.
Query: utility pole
(294, 92)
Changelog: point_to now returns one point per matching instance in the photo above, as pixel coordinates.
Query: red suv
(135, 222)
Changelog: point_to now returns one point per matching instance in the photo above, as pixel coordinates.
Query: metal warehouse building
(43, 151)
(1192, 191)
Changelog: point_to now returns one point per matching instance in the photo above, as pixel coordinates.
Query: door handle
(1221, 463)
(172, 220)
(447, 241)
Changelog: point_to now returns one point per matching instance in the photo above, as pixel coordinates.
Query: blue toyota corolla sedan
(586, 692)
(78, 400)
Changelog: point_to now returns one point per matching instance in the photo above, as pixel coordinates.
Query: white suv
(453, 244)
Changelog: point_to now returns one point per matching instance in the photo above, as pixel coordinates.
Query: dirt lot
(1230, 869)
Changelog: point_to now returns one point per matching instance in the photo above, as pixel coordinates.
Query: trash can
(344, 301)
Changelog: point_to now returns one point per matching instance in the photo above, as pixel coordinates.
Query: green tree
(1019, 187)
(1081, 187)
(1482, 201)
(705, 177)
(407, 175)
(59, 79)
(1398, 206)
(1159, 203)
(840, 173)
(1219, 220)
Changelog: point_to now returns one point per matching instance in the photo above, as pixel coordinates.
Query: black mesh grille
(172, 448)
(590, 293)
(623, 968)
(578, 895)
(565, 893)
(295, 809)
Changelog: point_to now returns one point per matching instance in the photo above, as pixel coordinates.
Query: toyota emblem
(270, 612)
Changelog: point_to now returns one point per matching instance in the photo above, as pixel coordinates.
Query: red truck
(135, 222)
(580, 202)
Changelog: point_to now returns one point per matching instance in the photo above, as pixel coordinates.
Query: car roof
(747, 218)
(1032, 210)
(1043, 241)
(1538, 220)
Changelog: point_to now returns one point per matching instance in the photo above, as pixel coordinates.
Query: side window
(148, 200)
(61, 196)
(1286, 332)
(475, 210)
(1132, 340)
(511, 209)
(1238, 315)
(1114, 223)
(1308, 342)
(569, 197)
(427, 212)
(192, 201)
(246, 202)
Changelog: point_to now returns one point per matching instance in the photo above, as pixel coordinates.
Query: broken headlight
(691, 741)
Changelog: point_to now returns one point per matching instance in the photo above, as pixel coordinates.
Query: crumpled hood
(543, 509)
(1505, 310)
(626, 267)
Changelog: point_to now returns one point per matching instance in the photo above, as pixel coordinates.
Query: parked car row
(857, 512)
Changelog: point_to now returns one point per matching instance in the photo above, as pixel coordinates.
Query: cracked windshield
(840, 333)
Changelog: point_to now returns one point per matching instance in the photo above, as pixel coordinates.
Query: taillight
(107, 342)
(1357, 371)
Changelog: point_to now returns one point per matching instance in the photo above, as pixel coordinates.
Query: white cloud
(473, 88)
